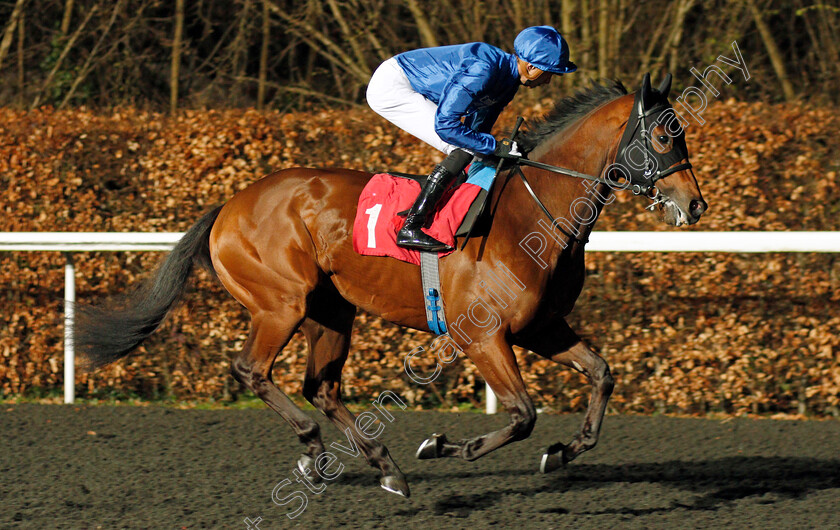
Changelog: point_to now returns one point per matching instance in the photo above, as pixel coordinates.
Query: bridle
(639, 177)
(650, 106)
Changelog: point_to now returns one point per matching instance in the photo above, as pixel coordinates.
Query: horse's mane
(569, 109)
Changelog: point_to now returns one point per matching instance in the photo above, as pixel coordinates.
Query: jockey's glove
(507, 149)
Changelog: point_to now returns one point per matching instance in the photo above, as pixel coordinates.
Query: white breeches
(390, 95)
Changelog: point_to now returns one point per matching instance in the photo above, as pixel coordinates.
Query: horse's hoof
(306, 465)
(431, 448)
(396, 485)
(550, 462)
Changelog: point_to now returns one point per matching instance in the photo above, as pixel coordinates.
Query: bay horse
(283, 248)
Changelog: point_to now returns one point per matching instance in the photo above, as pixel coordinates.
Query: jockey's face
(531, 76)
(543, 79)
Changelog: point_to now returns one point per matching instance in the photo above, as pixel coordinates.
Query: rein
(556, 225)
(562, 171)
(641, 178)
(637, 190)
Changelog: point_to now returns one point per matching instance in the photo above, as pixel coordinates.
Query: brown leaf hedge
(684, 332)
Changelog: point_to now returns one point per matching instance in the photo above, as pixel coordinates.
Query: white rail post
(69, 314)
(490, 396)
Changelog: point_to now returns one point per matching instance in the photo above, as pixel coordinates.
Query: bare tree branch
(603, 38)
(266, 35)
(86, 68)
(677, 32)
(303, 91)
(20, 57)
(773, 52)
(348, 34)
(585, 30)
(9, 33)
(60, 60)
(65, 18)
(329, 49)
(427, 36)
(654, 40)
(176, 56)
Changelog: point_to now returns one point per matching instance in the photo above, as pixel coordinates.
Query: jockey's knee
(456, 161)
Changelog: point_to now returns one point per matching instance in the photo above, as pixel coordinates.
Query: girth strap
(431, 292)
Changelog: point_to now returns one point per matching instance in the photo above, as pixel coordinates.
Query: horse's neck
(574, 202)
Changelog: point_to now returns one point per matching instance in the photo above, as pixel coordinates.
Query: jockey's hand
(507, 149)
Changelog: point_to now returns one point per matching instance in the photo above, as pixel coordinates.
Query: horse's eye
(663, 139)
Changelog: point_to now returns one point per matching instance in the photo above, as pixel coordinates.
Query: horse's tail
(103, 335)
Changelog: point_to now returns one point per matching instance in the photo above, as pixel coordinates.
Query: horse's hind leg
(270, 332)
(596, 370)
(562, 345)
(497, 364)
(327, 329)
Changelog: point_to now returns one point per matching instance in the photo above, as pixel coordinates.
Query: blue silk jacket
(473, 81)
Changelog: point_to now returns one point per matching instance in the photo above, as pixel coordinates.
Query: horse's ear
(665, 86)
(646, 85)
(647, 92)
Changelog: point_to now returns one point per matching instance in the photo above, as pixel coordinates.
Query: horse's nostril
(697, 207)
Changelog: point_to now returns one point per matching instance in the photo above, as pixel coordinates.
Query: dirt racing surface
(151, 467)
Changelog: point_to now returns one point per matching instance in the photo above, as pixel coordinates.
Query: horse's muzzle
(696, 208)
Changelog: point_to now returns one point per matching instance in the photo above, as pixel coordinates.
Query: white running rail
(677, 241)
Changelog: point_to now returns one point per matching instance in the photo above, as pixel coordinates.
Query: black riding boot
(411, 235)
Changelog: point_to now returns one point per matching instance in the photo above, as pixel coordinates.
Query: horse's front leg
(560, 344)
(496, 362)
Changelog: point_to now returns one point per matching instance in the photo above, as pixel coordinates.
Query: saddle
(387, 195)
(470, 220)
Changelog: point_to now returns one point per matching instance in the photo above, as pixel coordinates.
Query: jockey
(428, 92)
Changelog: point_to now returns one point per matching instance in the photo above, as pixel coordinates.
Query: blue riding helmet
(545, 48)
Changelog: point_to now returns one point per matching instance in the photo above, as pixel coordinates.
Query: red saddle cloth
(377, 223)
